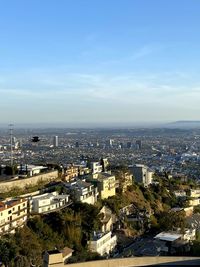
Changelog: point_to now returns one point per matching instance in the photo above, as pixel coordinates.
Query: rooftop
(168, 236)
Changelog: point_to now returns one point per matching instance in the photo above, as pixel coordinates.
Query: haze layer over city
(99, 133)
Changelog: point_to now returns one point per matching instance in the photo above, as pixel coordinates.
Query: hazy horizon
(124, 125)
(101, 62)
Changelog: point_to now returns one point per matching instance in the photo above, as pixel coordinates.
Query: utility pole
(11, 144)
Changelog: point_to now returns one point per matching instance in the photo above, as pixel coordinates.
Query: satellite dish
(35, 139)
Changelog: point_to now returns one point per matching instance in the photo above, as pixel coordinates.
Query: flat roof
(168, 236)
(31, 167)
(55, 251)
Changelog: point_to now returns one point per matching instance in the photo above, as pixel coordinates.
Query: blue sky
(102, 61)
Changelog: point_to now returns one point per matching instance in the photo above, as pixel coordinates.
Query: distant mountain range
(184, 124)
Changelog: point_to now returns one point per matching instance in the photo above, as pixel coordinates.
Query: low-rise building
(30, 170)
(142, 174)
(105, 182)
(48, 202)
(53, 258)
(56, 258)
(175, 239)
(194, 193)
(194, 202)
(96, 167)
(82, 191)
(107, 219)
(13, 214)
(180, 193)
(71, 172)
(188, 211)
(103, 243)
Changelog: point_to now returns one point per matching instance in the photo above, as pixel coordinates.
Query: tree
(49, 239)
(29, 245)
(21, 261)
(11, 170)
(67, 225)
(197, 209)
(7, 251)
(90, 219)
(171, 220)
(4, 253)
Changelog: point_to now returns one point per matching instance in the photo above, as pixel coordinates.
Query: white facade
(13, 214)
(31, 169)
(103, 243)
(48, 202)
(189, 234)
(55, 141)
(180, 193)
(82, 191)
(96, 167)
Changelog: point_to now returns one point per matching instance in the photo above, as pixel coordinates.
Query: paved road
(144, 246)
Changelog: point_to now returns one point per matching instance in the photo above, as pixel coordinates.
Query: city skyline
(99, 63)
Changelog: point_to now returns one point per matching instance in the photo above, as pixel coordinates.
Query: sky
(82, 62)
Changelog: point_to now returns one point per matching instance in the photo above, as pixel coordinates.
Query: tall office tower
(129, 145)
(77, 144)
(55, 141)
(121, 145)
(109, 143)
(97, 144)
(138, 144)
(20, 143)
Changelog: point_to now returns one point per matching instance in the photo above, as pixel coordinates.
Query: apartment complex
(82, 191)
(13, 214)
(96, 167)
(48, 202)
(105, 182)
(71, 172)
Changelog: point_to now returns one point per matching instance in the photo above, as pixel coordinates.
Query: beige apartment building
(71, 172)
(13, 214)
(105, 182)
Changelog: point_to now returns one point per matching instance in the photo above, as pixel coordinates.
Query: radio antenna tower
(11, 144)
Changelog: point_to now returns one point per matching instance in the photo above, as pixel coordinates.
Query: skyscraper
(129, 145)
(55, 141)
(138, 144)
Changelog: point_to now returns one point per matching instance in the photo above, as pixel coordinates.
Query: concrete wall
(6, 186)
(140, 261)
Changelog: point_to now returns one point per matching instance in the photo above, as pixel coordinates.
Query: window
(9, 212)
